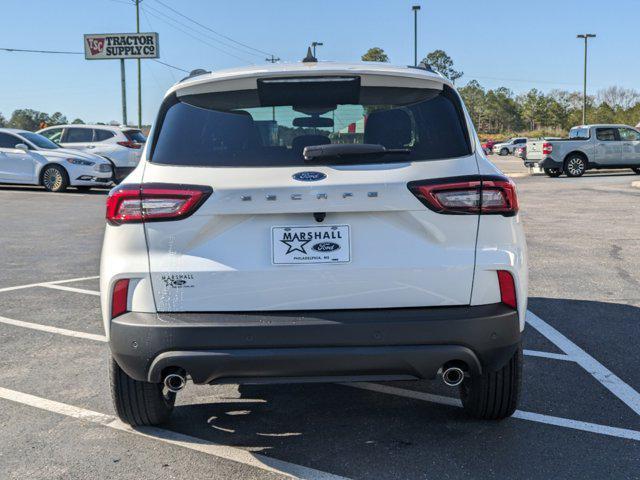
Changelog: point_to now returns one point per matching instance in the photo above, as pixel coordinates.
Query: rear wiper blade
(347, 151)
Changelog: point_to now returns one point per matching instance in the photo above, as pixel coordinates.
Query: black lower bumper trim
(406, 342)
(550, 163)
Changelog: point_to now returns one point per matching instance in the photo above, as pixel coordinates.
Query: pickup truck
(588, 147)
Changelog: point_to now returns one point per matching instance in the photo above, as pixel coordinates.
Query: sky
(512, 43)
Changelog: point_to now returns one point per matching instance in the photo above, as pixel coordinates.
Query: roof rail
(195, 73)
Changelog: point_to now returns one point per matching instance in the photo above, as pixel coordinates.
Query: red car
(488, 146)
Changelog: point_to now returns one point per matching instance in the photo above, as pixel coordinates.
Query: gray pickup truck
(588, 147)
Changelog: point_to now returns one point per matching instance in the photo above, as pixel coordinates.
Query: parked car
(488, 146)
(520, 152)
(231, 256)
(31, 159)
(507, 148)
(122, 146)
(588, 147)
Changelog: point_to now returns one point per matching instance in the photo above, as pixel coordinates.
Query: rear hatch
(340, 229)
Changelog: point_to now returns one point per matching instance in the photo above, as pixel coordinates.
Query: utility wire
(171, 66)
(261, 52)
(24, 50)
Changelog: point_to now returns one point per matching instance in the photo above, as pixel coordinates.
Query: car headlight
(103, 167)
(77, 161)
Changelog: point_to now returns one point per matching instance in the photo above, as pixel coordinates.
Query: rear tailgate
(534, 150)
(233, 255)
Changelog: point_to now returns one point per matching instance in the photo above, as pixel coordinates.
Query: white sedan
(28, 158)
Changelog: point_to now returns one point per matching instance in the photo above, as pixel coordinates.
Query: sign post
(122, 46)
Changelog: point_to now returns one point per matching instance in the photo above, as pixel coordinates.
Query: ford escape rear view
(313, 222)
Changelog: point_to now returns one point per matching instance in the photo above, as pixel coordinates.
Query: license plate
(313, 244)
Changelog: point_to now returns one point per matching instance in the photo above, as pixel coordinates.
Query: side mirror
(22, 146)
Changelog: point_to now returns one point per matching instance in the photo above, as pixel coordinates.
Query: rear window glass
(272, 126)
(102, 135)
(135, 136)
(579, 133)
(78, 135)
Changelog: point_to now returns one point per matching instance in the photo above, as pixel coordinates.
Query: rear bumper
(330, 345)
(550, 163)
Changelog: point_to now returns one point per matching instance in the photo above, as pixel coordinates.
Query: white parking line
(49, 329)
(46, 284)
(554, 356)
(601, 373)
(530, 416)
(70, 289)
(225, 452)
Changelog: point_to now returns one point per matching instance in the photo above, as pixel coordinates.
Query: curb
(522, 175)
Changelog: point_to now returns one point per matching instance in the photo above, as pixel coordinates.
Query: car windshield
(39, 140)
(271, 126)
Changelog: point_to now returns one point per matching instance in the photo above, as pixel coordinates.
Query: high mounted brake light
(468, 195)
(154, 202)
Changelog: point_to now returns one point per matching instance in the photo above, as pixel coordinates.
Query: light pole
(586, 37)
(139, 71)
(314, 45)
(415, 9)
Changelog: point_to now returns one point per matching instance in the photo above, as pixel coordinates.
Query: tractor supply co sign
(113, 46)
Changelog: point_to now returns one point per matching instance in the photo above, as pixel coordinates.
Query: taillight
(507, 289)
(468, 195)
(130, 144)
(119, 297)
(154, 202)
(547, 148)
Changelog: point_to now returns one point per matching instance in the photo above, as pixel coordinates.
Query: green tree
(474, 97)
(78, 121)
(375, 54)
(440, 61)
(57, 119)
(3, 121)
(28, 119)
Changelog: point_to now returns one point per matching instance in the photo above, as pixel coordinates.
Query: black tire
(139, 403)
(504, 151)
(553, 172)
(494, 395)
(54, 178)
(636, 170)
(575, 166)
(83, 188)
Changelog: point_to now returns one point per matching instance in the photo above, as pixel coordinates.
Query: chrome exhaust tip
(453, 376)
(175, 382)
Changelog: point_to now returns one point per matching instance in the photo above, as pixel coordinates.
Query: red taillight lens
(547, 148)
(154, 202)
(507, 289)
(484, 195)
(119, 298)
(130, 144)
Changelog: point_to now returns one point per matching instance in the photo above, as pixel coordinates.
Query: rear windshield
(135, 136)
(272, 126)
(579, 133)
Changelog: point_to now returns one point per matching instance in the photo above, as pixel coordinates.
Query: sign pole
(124, 92)
(139, 73)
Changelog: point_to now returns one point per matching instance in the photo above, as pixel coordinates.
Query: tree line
(500, 111)
(28, 119)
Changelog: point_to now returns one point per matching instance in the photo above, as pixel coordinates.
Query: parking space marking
(601, 373)
(45, 284)
(70, 289)
(56, 330)
(522, 415)
(225, 452)
(554, 356)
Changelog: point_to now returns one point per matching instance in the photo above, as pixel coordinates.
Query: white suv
(313, 222)
(122, 146)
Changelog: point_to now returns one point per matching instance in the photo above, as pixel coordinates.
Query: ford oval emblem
(326, 247)
(309, 176)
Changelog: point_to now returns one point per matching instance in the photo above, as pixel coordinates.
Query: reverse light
(547, 148)
(130, 144)
(120, 297)
(507, 289)
(468, 195)
(154, 202)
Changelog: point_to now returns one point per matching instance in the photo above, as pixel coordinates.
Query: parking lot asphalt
(579, 416)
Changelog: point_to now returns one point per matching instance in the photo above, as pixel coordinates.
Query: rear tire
(139, 403)
(54, 178)
(504, 151)
(636, 170)
(494, 395)
(575, 166)
(553, 172)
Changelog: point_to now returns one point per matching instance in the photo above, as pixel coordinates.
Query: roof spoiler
(195, 73)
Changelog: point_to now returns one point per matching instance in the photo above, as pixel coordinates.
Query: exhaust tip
(453, 376)
(175, 382)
